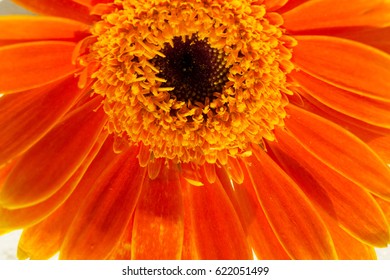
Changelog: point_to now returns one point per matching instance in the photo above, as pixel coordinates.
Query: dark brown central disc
(193, 68)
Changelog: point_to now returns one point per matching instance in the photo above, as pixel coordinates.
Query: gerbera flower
(157, 129)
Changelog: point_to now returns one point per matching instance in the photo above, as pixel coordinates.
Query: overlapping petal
(334, 60)
(107, 210)
(158, 228)
(31, 65)
(363, 108)
(27, 116)
(345, 202)
(45, 167)
(340, 150)
(217, 231)
(289, 212)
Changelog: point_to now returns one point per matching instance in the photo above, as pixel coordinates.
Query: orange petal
(217, 231)
(317, 14)
(259, 233)
(22, 28)
(107, 210)
(59, 8)
(381, 145)
(340, 150)
(158, 222)
(122, 250)
(27, 116)
(49, 163)
(30, 65)
(292, 217)
(24, 217)
(43, 240)
(347, 247)
(350, 206)
(366, 109)
(346, 64)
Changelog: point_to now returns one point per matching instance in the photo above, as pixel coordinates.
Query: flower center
(194, 69)
(192, 81)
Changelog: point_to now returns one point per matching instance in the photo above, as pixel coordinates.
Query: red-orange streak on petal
(352, 207)
(376, 37)
(22, 28)
(351, 124)
(273, 5)
(317, 14)
(30, 65)
(28, 216)
(340, 150)
(292, 217)
(158, 223)
(45, 167)
(291, 4)
(259, 233)
(107, 210)
(43, 240)
(345, 64)
(59, 8)
(90, 3)
(217, 231)
(366, 109)
(27, 116)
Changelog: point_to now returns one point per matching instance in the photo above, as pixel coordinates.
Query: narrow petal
(30, 65)
(59, 8)
(258, 230)
(339, 13)
(350, 206)
(28, 116)
(292, 217)
(345, 64)
(43, 240)
(28, 216)
(158, 223)
(340, 150)
(51, 162)
(366, 109)
(217, 230)
(108, 208)
(22, 28)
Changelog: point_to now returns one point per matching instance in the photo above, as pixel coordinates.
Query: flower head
(159, 129)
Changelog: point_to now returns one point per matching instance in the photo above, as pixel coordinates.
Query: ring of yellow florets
(139, 107)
